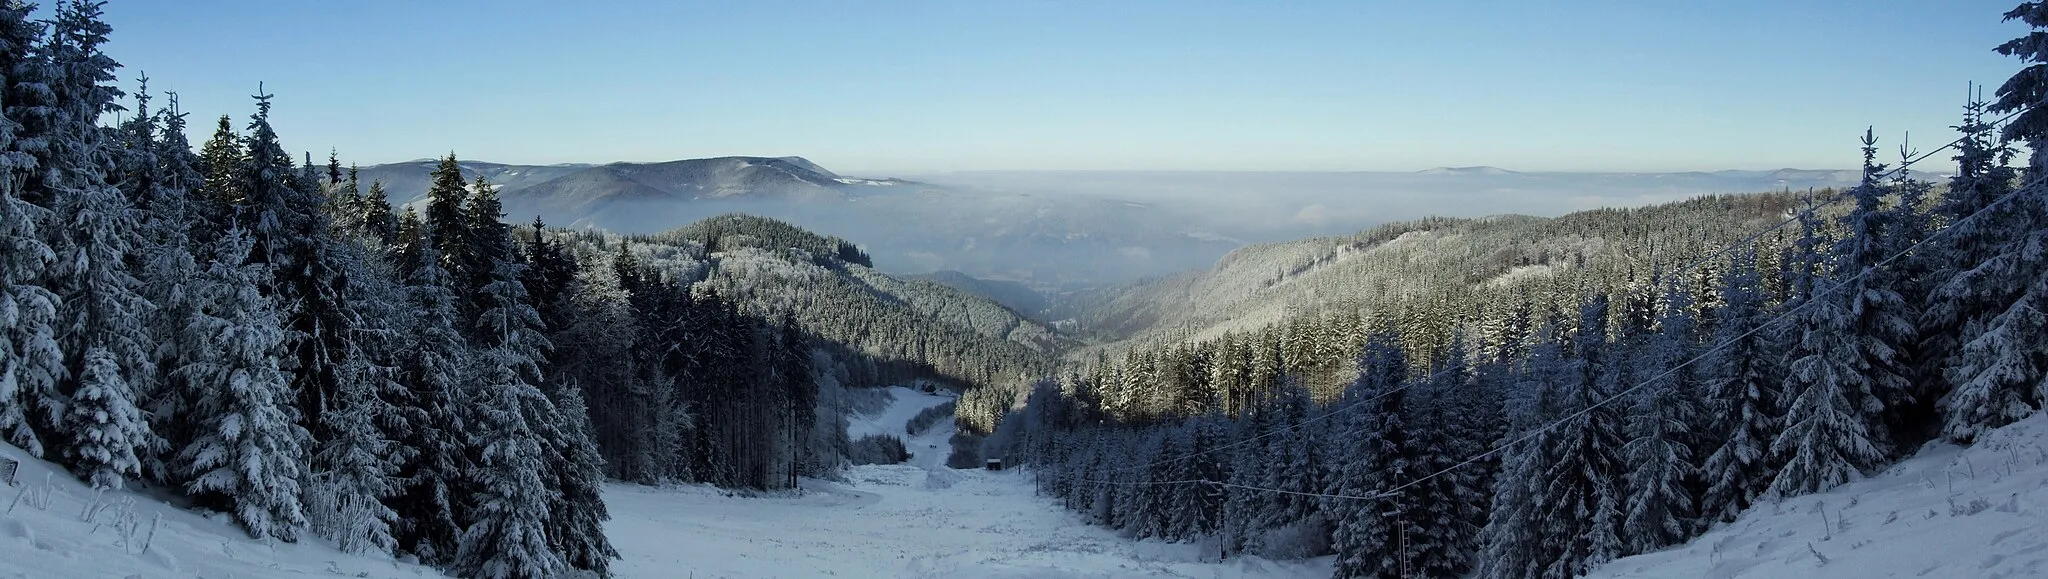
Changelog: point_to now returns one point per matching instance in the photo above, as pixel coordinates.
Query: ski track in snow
(917, 520)
(1948, 512)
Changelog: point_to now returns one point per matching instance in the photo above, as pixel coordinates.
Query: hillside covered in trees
(229, 327)
(1570, 400)
(274, 339)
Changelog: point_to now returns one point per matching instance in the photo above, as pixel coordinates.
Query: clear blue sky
(879, 86)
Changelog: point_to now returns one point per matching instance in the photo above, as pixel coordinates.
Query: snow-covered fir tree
(1996, 374)
(31, 362)
(1370, 533)
(249, 452)
(1742, 396)
(1661, 439)
(1583, 466)
(1828, 435)
(431, 366)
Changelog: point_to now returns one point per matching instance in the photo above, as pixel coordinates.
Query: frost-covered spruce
(30, 360)
(1742, 400)
(103, 320)
(1375, 460)
(1827, 437)
(353, 468)
(1660, 449)
(1583, 465)
(506, 537)
(1997, 373)
(577, 525)
(1512, 545)
(156, 161)
(430, 366)
(1839, 372)
(1880, 323)
(249, 452)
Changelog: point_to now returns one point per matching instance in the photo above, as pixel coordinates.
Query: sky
(875, 87)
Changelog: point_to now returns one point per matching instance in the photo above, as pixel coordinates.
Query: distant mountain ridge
(587, 186)
(1055, 231)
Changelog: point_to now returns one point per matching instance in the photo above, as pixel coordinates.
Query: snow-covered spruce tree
(1742, 397)
(1911, 417)
(1997, 375)
(487, 241)
(1583, 466)
(1661, 438)
(1162, 504)
(506, 535)
(99, 320)
(1200, 517)
(1248, 513)
(1301, 469)
(1142, 512)
(790, 356)
(1964, 297)
(310, 280)
(221, 159)
(1368, 534)
(1458, 419)
(1827, 439)
(266, 198)
(1827, 434)
(431, 367)
(1512, 542)
(344, 495)
(249, 452)
(158, 169)
(576, 528)
(376, 217)
(102, 317)
(31, 362)
(2027, 89)
(353, 467)
(1882, 324)
(344, 199)
(594, 352)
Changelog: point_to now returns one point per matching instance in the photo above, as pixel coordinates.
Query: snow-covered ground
(911, 520)
(928, 449)
(53, 527)
(1980, 512)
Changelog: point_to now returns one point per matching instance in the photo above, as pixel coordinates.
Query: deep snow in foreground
(894, 521)
(44, 534)
(1979, 512)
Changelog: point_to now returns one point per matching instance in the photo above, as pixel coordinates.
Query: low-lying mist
(1056, 231)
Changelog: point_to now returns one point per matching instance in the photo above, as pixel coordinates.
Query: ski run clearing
(1948, 512)
(910, 520)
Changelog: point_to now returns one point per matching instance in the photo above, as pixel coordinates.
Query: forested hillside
(907, 328)
(275, 339)
(1428, 269)
(1587, 388)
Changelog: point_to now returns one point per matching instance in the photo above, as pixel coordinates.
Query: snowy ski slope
(911, 520)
